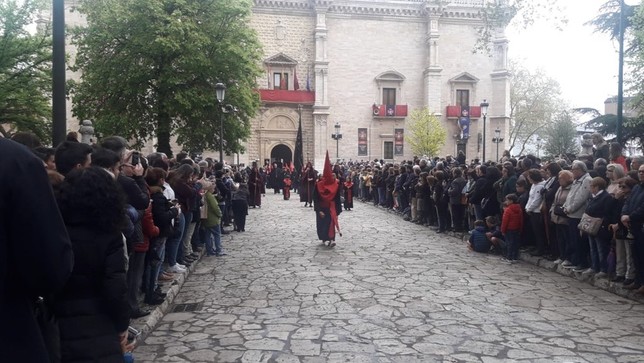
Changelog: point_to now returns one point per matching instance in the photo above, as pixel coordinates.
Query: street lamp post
(484, 106)
(620, 75)
(220, 90)
(497, 140)
(337, 136)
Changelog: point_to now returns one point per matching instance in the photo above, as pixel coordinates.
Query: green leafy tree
(25, 70)
(534, 99)
(561, 136)
(149, 68)
(426, 134)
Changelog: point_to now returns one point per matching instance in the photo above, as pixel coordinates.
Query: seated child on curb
(478, 241)
(494, 234)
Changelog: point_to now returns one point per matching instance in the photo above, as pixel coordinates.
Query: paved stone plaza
(391, 291)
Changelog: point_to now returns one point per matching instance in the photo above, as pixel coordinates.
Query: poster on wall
(399, 141)
(362, 142)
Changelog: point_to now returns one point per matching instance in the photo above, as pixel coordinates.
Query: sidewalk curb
(147, 323)
(604, 284)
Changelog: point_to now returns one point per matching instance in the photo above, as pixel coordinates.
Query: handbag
(559, 211)
(590, 225)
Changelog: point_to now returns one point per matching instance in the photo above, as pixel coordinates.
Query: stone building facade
(365, 65)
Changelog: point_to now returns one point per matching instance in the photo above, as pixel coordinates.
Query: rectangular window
(389, 150)
(277, 80)
(280, 81)
(389, 96)
(463, 98)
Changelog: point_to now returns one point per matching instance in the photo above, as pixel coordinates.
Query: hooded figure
(326, 199)
(307, 184)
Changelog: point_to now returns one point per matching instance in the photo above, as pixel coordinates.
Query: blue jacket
(479, 241)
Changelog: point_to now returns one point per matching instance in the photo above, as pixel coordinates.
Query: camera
(136, 158)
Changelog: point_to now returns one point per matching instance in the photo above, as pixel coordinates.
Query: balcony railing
(455, 111)
(287, 96)
(389, 110)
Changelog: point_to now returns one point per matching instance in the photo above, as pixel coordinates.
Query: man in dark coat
(35, 252)
(309, 176)
(326, 199)
(254, 187)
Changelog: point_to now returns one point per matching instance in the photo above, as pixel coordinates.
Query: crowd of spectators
(134, 223)
(541, 207)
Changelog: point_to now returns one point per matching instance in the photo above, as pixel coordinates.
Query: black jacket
(35, 253)
(136, 191)
(603, 206)
(92, 309)
(162, 212)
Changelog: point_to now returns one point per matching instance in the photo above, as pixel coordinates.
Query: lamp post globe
(220, 93)
(337, 136)
(497, 140)
(484, 106)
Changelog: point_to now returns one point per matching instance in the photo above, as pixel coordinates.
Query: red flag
(296, 83)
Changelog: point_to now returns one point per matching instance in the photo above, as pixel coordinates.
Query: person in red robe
(327, 205)
(287, 186)
(348, 194)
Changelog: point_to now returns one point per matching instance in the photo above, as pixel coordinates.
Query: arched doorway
(281, 153)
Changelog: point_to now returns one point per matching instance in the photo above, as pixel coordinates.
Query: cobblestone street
(390, 291)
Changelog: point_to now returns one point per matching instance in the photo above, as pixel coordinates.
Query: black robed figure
(307, 184)
(326, 199)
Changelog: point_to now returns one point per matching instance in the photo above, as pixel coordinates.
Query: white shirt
(535, 198)
(168, 192)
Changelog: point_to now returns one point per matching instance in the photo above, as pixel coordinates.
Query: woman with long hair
(93, 310)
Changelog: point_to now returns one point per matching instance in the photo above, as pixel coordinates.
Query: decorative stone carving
(280, 32)
(87, 132)
(320, 120)
(587, 144)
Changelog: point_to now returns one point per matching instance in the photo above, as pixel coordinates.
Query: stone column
(432, 74)
(499, 112)
(321, 71)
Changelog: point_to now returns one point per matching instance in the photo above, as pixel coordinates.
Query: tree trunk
(163, 134)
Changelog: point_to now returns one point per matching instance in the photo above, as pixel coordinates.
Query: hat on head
(327, 174)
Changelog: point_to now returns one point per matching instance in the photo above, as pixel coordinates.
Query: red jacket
(512, 218)
(149, 231)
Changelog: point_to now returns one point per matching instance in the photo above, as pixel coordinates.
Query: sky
(583, 62)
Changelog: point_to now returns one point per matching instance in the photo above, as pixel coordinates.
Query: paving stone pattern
(391, 291)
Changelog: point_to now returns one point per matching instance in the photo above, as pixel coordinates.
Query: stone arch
(281, 152)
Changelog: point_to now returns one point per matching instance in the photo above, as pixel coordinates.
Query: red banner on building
(399, 142)
(363, 149)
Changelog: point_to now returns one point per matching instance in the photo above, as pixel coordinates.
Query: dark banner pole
(59, 122)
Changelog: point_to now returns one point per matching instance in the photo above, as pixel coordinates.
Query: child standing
(511, 227)
(287, 186)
